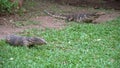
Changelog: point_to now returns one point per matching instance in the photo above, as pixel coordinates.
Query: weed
(7, 6)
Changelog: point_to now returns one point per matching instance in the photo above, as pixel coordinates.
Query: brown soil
(46, 22)
(106, 4)
(7, 22)
(50, 22)
(107, 17)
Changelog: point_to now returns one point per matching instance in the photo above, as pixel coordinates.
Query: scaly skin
(24, 41)
(79, 17)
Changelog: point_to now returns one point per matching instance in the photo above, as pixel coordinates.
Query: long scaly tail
(53, 15)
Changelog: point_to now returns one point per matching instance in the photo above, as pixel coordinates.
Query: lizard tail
(53, 15)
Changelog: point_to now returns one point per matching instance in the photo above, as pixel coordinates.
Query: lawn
(75, 46)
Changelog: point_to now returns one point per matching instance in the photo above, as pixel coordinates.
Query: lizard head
(99, 13)
(38, 41)
(70, 18)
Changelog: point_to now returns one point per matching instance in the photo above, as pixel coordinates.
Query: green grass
(76, 46)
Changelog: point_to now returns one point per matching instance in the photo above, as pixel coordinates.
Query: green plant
(76, 46)
(7, 6)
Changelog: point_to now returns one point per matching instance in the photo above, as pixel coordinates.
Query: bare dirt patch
(107, 17)
(106, 4)
(45, 22)
(50, 22)
(34, 13)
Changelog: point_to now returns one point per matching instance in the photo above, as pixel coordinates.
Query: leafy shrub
(7, 6)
